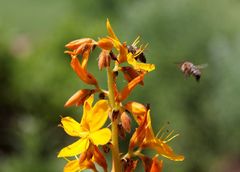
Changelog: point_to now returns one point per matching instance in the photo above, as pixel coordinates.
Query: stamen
(66, 159)
(168, 135)
(166, 141)
(160, 130)
(76, 157)
(136, 41)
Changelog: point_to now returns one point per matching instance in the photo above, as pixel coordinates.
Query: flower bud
(73, 45)
(138, 110)
(126, 122)
(105, 43)
(104, 59)
(79, 97)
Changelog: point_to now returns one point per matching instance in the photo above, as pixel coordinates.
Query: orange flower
(152, 165)
(81, 72)
(144, 137)
(130, 86)
(81, 47)
(138, 111)
(129, 73)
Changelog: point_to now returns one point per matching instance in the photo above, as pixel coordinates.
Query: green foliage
(36, 79)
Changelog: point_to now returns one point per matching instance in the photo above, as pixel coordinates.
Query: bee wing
(201, 66)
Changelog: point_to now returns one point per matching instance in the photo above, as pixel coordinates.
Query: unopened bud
(104, 59)
(105, 43)
(79, 97)
(126, 122)
(121, 131)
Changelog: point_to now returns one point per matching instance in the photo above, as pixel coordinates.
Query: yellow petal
(110, 31)
(87, 110)
(139, 65)
(75, 149)
(100, 137)
(70, 126)
(99, 115)
(72, 166)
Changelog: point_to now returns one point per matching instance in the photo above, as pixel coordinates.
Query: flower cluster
(92, 131)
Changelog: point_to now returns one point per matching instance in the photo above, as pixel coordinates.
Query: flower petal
(79, 97)
(130, 86)
(87, 111)
(99, 115)
(72, 166)
(75, 149)
(100, 137)
(139, 65)
(110, 31)
(81, 72)
(70, 126)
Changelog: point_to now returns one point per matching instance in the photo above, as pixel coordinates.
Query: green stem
(116, 166)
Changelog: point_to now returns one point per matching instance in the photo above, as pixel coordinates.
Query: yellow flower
(88, 129)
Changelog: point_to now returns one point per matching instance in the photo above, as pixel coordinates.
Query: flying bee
(188, 68)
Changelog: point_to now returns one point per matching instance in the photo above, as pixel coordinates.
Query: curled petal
(82, 73)
(75, 149)
(79, 97)
(130, 86)
(105, 43)
(163, 149)
(76, 43)
(99, 115)
(100, 137)
(138, 110)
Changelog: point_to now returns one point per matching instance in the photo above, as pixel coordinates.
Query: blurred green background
(36, 79)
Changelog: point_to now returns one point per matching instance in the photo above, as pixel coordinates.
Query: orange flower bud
(139, 135)
(79, 97)
(156, 165)
(104, 59)
(99, 158)
(129, 73)
(129, 165)
(76, 43)
(105, 43)
(138, 111)
(126, 122)
(82, 73)
(127, 90)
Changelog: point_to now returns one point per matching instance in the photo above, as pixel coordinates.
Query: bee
(188, 68)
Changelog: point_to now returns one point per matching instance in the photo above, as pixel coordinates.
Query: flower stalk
(92, 130)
